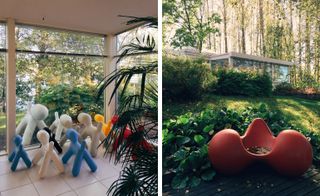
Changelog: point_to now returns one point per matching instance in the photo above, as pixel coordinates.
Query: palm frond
(123, 76)
(140, 177)
(146, 44)
(149, 21)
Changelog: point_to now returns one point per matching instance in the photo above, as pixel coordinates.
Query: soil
(258, 150)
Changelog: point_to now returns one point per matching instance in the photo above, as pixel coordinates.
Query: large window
(59, 69)
(136, 60)
(3, 121)
(219, 63)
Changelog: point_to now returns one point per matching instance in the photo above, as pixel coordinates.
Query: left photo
(78, 98)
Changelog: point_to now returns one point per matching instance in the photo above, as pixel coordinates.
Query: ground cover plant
(185, 139)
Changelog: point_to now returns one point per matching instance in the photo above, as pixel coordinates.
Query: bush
(183, 79)
(284, 88)
(245, 83)
(66, 99)
(185, 139)
(290, 90)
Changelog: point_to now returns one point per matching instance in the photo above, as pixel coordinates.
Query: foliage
(66, 99)
(183, 79)
(185, 139)
(289, 89)
(246, 83)
(194, 27)
(132, 178)
(130, 137)
(283, 88)
(284, 29)
(38, 72)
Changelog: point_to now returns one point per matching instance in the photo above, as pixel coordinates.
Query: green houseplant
(137, 113)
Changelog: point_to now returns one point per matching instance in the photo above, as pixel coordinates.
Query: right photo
(241, 97)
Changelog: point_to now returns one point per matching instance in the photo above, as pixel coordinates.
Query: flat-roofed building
(279, 70)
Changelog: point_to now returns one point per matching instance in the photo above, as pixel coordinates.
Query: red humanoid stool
(290, 153)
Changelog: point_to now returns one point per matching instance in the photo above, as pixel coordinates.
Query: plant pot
(290, 153)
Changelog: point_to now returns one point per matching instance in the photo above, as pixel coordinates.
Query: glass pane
(65, 84)
(3, 121)
(283, 74)
(130, 61)
(130, 36)
(49, 40)
(219, 63)
(2, 35)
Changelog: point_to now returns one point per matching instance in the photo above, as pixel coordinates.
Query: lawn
(302, 112)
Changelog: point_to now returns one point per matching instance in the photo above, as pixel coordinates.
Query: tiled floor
(27, 182)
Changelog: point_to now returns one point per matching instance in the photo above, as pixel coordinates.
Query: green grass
(3, 121)
(302, 112)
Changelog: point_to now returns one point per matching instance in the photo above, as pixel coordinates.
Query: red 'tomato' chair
(290, 153)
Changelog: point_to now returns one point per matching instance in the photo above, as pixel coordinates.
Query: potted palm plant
(133, 137)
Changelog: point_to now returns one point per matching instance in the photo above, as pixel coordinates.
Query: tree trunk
(225, 26)
(208, 15)
(261, 22)
(243, 34)
(307, 42)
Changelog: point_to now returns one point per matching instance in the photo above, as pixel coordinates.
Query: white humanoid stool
(46, 150)
(92, 131)
(34, 118)
(60, 125)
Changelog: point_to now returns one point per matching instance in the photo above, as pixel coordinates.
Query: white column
(11, 84)
(110, 50)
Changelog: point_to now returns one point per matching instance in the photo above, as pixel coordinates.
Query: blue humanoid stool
(79, 151)
(18, 153)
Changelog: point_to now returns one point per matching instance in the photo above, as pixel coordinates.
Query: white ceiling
(95, 16)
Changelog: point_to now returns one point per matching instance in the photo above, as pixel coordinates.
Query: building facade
(278, 70)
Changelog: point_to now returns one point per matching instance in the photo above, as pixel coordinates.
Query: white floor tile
(105, 170)
(28, 190)
(107, 182)
(84, 178)
(51, 186)
(5, 167)
(13, 180)
(71, 193)
(96, 189)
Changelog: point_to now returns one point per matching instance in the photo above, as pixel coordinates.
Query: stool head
(66, 120)
(43, 137)
(17, 140)
(85, 119)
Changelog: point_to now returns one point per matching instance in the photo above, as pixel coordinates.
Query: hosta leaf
(182, 140)
(180, 154)
(183, 120)
(208, 175)
(199, 139)
(195, 181)
(208, 128)
(179, 182)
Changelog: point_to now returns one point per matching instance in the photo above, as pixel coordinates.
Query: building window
(219, 63)
(59, 69)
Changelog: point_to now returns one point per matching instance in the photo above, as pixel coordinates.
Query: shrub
(283, 88)
(183, 79)
(289, 89)
(66, 99)
(245, 83)
(185, 139)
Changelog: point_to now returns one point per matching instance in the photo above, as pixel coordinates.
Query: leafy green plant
(131, 136)
(245, 83)
(184, 79)
(185, 140)
(66, 99)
